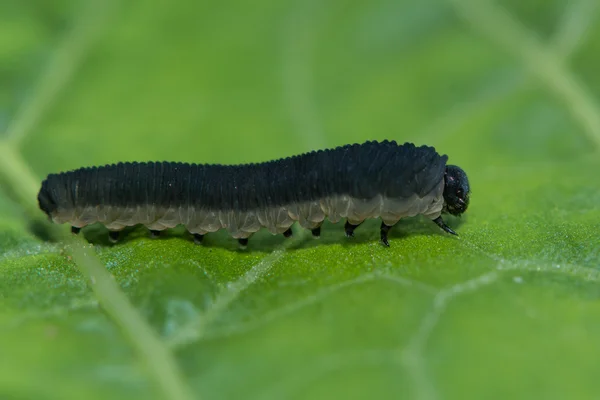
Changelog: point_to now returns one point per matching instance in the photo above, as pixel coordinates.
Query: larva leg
(316, 232)
(75, 230)
(384, 234)
(243, 242)
(440, 222)
(349, 228)
(288, 233)
(154, 233)
(198, 238)
(113, 236)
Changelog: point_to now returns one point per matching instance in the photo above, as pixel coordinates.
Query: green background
(509, 309)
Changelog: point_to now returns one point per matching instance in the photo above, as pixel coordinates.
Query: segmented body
(353, 182)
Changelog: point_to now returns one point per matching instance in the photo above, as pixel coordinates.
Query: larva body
(353, 182)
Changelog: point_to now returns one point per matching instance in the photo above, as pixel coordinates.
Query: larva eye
(459, 192)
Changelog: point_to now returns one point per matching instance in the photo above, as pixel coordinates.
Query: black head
(456, 190)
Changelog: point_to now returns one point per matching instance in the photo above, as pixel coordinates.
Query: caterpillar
(352, 182)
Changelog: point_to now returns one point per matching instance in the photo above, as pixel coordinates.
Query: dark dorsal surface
(361, 171)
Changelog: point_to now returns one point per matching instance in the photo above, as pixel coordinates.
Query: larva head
(456, 190)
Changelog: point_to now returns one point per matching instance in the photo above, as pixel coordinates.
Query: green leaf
(511, 308)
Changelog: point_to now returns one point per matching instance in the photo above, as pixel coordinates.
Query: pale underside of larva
(242, 224)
